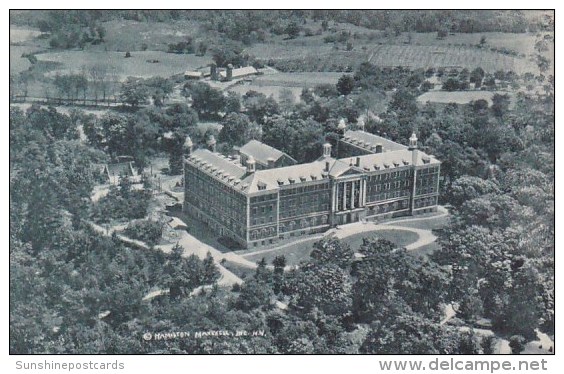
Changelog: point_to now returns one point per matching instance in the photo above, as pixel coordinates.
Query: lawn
(137, 65)
(273, 84)
(458, 97)
(129, 35)
(22, 34)
(295, 253)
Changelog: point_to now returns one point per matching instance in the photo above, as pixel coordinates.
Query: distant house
(265, 156)
(114, 172)
(237, 73)
(195, 75)
(230, 73)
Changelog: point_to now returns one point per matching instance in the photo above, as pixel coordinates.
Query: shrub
(118, 204)
(148, 231)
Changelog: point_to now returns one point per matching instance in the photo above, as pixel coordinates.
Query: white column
(362, 192)
(352, 194)
(344, 186)
(333, 197)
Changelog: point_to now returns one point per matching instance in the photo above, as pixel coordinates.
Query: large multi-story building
(371, 178)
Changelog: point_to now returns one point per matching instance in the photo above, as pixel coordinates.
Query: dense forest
(76, 289)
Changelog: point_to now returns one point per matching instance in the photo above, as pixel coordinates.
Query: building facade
(372, 179)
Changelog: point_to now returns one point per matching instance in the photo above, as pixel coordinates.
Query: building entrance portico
(348, 200)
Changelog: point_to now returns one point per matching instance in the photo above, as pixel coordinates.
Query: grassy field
(297, 79)
(273, 84)
(369, 45)
(300, 251)
(458, 97)
(137, 65)
(22, 34)
(129, 35)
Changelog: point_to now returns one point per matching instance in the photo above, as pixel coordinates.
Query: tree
(467, 188)
(134, 92)
(346, 84)
(332, 251)
(279, 264)
(202, 48)
(451, 84)
(476, 77)
(232, 102)
(300, 138)
(500, 105)
(235, 129)
(176, 157)
(159, 89)
(517, 344)
(286, 100)
(293, 30)
(206, 101)
(254, 294)
(259, 107)
(325, 287)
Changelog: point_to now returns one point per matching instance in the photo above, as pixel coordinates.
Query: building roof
(262, 152)
(272, 179)
(390, 160)
(239, 72)
(233, 173)
(193, 74)
(368, 141)
(208, 160)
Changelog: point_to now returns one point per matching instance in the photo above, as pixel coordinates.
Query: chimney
(251, 164)
(213, 72)
(413, 148)
(357, 161)
(211, 143)
(327, 150)
(379, 148)
(188, 146)
(341, 127)
(229, 72)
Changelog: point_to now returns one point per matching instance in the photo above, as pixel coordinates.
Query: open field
(458, 97)
(129, 35)
(137, 65)
(308, 80)
(370, 45)
(22, 34)
(272, 84)
(466, 57)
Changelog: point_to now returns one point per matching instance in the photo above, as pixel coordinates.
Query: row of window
(425, 171)
(387, 195)
(427, 201)
(393, 175)
(304, 223)
(391, 207)
(425, 190)
(303, 209)
(257, 199)
(302, 189)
